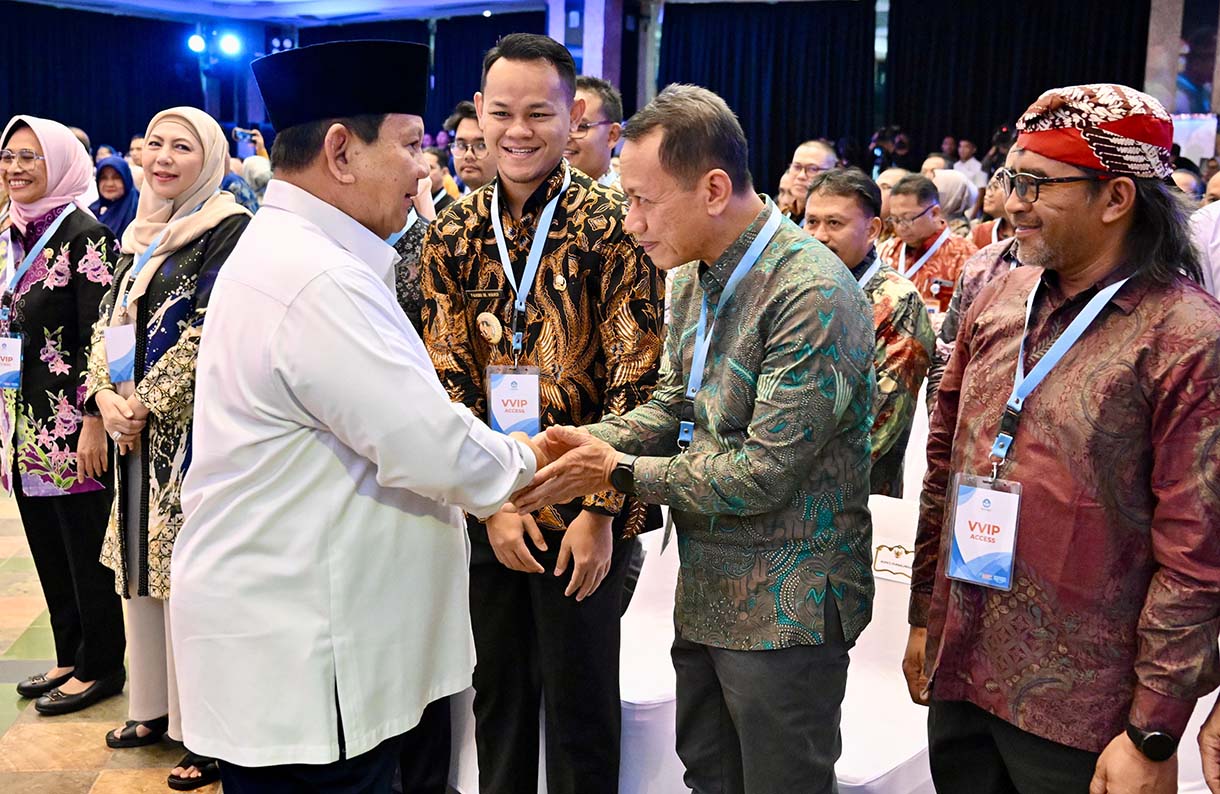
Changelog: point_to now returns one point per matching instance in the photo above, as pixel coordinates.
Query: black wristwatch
(623, 476)
(1155, 745)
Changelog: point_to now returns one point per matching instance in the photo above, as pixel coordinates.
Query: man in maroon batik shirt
(1083, 675)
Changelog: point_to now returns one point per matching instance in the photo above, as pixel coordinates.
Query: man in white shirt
(968, 164)
(1205, 231)
(320, 577)
(591, 143)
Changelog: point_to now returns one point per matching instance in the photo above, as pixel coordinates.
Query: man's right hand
(913, 665)
(1209, 748)
(506, 531)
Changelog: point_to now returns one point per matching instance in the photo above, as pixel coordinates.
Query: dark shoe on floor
(56, 702)
(129, 735)
(209, 772)
(38, 685)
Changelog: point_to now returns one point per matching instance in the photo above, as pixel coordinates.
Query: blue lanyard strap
(1023, 384)
(140, 261)
(705, 330)
(533, 261)
(33, 253)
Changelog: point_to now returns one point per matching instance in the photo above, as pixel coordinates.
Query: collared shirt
(1116, 599)
(771, 498)
(942, 268)
(322, 565)
(1205, 230)
(904, 350)
(592, 324)
(972, 169)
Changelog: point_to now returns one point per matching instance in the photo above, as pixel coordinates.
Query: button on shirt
(771, 499)
(322, 565)
(1116, 599)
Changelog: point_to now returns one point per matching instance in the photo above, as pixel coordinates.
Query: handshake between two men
(571, 464)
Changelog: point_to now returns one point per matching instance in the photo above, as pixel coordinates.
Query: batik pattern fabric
(1115, 602)
(169, 324)
(54, 308)
(936, 278)
(903, 354)
(592, 323)
(770, 500)
(407, 286)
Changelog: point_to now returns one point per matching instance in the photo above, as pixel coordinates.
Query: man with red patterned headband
(1066, 589)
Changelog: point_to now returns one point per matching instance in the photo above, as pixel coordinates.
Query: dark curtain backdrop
(963, 67)
(397, 30)
(791, 71)
(457, 57)
(106, 74)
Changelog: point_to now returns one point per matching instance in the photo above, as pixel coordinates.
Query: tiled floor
(57, 755)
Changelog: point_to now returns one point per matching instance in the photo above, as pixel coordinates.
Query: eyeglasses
(902, 223)
(809, 170)
(1028, 186)
(27, 157)
(583, 128)
(478, 149)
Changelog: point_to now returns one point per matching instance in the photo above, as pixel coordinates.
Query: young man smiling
(535, 271)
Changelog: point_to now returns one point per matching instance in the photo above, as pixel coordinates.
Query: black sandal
(209, 773)
(130, 737)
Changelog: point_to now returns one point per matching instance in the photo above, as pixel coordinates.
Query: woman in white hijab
(143, 381)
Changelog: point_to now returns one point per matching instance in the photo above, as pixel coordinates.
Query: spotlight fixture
(487, 12)
(230, 45)
(196, 43)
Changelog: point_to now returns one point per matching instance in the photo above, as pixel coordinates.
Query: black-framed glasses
(27, 157)
(1028, 186)
(902, 223)
(478, 149)
(584, 127)
(810, 170)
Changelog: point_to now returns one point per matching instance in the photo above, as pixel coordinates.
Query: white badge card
(10, 362)
(513, 404)
(121, 353)
(985, 514)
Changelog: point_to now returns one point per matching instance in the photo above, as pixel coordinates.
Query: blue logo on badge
(986, 504)
(512, 384)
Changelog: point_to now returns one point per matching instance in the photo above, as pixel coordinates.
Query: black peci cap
(316, 83)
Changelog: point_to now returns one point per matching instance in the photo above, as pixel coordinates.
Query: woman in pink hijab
(57, 264)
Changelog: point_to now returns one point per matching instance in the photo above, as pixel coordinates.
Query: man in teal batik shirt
(770, 499)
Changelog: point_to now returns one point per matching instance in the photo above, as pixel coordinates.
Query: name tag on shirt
(984, 531)
(121, 353)
(513, 404)
(10, 362)
(483, 294)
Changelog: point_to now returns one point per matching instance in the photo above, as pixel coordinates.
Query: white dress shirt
(972, 169)
(321, 570)
(1205, 230)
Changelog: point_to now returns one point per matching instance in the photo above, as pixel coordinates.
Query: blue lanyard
(704, 331)
(412, 217)
(923, 260)
(534, 259)
(1024, 385)
(141, 261)
(33, 253)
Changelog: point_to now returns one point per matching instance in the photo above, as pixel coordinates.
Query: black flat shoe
(129, 735)
(209, 772)
(38, 685)
(56, 702)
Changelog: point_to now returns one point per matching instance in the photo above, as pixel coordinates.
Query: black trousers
(975, 752)
(536, 644)
(762, 722)
(370, 773)
(423, 759)
(65, 536)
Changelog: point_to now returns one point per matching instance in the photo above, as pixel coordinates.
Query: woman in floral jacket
(57, 266)
(184, 230)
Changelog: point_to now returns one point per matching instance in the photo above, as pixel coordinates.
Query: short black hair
(297, 146)
(440, 154)
(849, 183)
(612, 100)
(700, 133)
(917, 185)
(533, 47)
(461, 111)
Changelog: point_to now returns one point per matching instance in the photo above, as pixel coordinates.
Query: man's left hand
(1209, 749)
(589, 542)
(583, 468)
(1123, 769)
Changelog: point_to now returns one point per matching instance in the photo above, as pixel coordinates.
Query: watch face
(1159, 746)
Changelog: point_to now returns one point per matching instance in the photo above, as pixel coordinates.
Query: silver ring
(116, 435)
